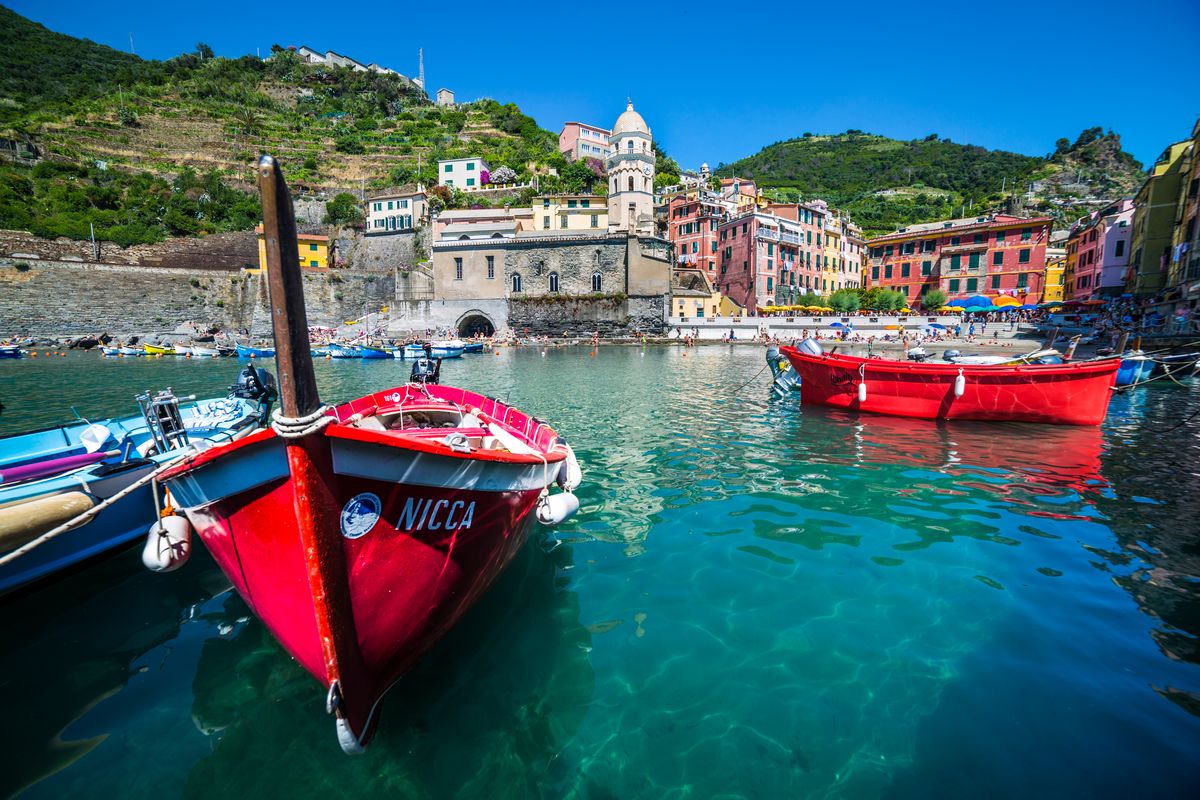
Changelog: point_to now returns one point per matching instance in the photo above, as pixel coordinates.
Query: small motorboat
(50, 477)
(246, 351)
(360, 534)
(1069, 394)
(204, 351)
(343, 351)
(183, 349)
(110, 351)
(473, 347)
(10, 351)
(1176, 365)
(126, 350)
(366, 351)
(156, 350)
(441, 349)
(1136, 367)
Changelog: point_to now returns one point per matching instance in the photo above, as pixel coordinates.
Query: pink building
(770, 257)
(1101, 248)
(578, 140)
(692, 223)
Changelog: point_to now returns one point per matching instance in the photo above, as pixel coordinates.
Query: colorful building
(1053, 284)
(693, 296)
(1153, 222)
(1100, 244)
(1183, 268)
(314, 250)
(463, 173)
(771, 257)
(692, 221)
(578, 140)
(570, 213)
(992, 255)
(396, 210)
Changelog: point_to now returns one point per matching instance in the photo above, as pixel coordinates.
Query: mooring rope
(299, 427)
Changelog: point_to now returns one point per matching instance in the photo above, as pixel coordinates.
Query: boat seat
(438, 433)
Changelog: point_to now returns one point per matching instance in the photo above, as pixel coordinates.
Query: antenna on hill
(421, 66)
(131, 43)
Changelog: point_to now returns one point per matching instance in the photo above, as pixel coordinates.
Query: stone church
(495, 270)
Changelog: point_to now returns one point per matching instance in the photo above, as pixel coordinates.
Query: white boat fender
(168, 544)
(570, 475)
(146, 448)
(862, 383)
(960, 384)
(555, 508)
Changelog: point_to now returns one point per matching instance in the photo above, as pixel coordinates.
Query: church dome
(630, 121)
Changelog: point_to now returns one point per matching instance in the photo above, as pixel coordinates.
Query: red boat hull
(1065, 394)
(418, 533)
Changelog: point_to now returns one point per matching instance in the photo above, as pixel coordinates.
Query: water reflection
(485, 713)
(63, 656)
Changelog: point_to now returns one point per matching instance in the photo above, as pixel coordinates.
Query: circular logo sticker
(360, 514)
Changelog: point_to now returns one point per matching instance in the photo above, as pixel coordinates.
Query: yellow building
(1056, 267)
(314, 250)
(570, 213)
(694, 297)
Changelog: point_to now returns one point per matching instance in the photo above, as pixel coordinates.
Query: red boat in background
(1065, 394)
(360, 534)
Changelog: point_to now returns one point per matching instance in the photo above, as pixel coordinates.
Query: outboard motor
(917, 354)
(426, 370)
(950, 355)
(257, 384)
(810, 346)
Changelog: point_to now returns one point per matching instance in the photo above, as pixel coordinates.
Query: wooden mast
(310, 465)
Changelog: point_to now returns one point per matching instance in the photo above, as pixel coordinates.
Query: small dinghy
(246, 351)
(361, 533)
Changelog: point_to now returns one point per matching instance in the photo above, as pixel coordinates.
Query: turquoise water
(756, 601)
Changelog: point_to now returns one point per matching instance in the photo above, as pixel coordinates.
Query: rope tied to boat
(299, 427)
(82, 517)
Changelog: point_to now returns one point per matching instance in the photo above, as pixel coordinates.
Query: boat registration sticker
(360, 514)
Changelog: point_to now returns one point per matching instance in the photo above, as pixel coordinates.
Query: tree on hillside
(342, 209)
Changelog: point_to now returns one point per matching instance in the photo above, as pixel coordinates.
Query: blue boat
(473, 347)
(9, 351)
(438, 350)
(50, 476)
(245, 351)
(1135, 368)
(373, 352)
(343, 351)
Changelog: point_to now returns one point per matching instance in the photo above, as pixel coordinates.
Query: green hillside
(886, 184)
(112, 117)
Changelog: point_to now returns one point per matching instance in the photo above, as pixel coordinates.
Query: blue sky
(718, 81)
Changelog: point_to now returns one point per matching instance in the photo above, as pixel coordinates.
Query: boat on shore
(203, 351)
(10, 351)
(156, 350)
(183, 349)
(51, 476)
(360, 534)
(1068, 394)
(126, 350)
(343, 350)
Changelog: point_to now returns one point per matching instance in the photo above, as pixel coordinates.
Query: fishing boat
(183, 349)
(1069, 394)
(246, 351)
(203, 351)
(1177, 365)
(156, 350)
(360, 534)
(366, 351)
(438, 350)
(131, 351)
(343, 350)
(50, 477)
(473, 347)
(1135, 368)
(110, 351)
(9, 351)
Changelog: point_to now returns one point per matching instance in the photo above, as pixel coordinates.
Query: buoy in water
(556, 508)
(168, 544)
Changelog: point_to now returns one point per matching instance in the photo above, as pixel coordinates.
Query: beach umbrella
(977, 300)
(1006, 300)
(957, 301)
(954, 308)
(836, 325)
(1028, 307)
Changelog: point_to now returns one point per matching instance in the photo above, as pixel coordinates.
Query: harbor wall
(52, 298)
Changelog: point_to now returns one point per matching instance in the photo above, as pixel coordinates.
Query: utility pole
(131, 43)
(95, 252)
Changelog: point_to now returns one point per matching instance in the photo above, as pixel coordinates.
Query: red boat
(360, 534)
(1066, 394)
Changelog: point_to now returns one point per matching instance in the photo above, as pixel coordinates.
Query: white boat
(184, 349)
(110, 351)
(131, 351)
(199, 351)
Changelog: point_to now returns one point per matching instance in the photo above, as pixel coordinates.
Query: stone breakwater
(69, 298)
